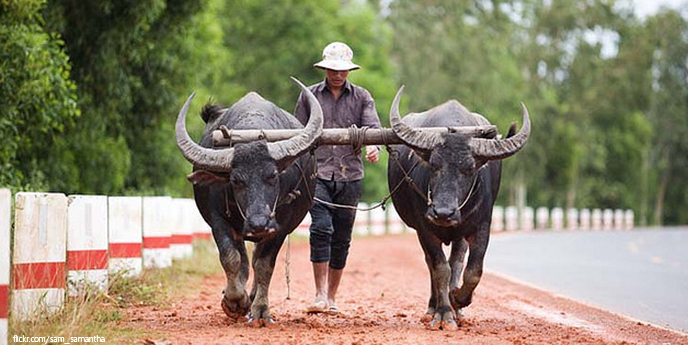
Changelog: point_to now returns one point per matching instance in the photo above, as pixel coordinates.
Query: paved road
(642, 273)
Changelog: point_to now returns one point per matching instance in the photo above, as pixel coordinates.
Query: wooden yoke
(340, 136)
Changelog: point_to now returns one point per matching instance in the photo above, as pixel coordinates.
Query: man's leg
(320, 239)
(347, 193)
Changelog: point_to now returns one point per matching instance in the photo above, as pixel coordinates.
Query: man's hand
(372, 154)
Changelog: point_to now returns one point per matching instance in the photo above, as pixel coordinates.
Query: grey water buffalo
(256, 191)
(447, 186)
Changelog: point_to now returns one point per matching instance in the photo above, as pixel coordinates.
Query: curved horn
(491, 149)
(200, 157)
(296, 145)
(409, 135)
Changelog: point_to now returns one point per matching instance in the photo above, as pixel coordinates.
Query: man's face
(336, 78)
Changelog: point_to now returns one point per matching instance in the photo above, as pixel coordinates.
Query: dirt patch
(383, 295)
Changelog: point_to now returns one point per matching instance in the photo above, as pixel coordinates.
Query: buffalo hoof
(444, 325)
(264, 321)
(429, 315)
(234, 310)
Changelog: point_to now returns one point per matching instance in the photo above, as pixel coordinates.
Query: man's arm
(370, 118)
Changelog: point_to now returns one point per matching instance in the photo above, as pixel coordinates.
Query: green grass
(97, 313)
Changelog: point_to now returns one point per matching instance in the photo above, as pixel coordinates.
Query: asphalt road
(642, 274)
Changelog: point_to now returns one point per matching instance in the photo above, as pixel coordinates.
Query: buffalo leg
(477, 243)
(234, 261)
(440, 272)
(456, 258)
(264, 259)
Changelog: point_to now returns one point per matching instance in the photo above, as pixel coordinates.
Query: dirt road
(382, 298)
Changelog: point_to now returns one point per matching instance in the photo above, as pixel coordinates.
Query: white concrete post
(629, 218)
(202, 230)
(607, 219)
(304, 229)
(542, 218)
(528, 219)
(497, 219)
(157, 234)
(396, 225)
(572, 219)
(557, 219)
(619, 219)
(361, 222)
(39, 254)
(5, 221)
(125, 223)
(182, 228)
(511, 217)
(596, 219)
(378, 221)
(585, 219)
(87, 243)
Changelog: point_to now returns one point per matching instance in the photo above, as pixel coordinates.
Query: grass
(98, 313)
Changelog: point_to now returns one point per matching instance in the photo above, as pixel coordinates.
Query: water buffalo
(256, 191)
(447, 186)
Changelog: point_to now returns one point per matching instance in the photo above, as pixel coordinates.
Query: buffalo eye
(272, 178)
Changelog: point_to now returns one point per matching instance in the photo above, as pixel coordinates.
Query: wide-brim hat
(337, 56)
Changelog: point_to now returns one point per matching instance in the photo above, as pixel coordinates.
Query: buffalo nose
(258, 223)
(441, 213)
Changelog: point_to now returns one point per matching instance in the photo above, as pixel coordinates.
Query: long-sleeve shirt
(356, 106)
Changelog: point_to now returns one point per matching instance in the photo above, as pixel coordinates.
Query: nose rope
(465, 201)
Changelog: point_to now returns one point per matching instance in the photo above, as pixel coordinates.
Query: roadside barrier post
(572, 219)
(201, 229)
(156, 232)
(596, 219)
(361, 222)
(607, 219)
(39, 254)
(5, 211)
(619, 219)
(629, 219)
(585, 219)
(511, 217)
(125, 222)
(497, 219)
(378, 222)
(182, 229)
(557, 219)
(542, 218)
(303, 230)
(87, 243)
(396, 225)
(528, 219)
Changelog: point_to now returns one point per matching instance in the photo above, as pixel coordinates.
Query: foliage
(38, 98)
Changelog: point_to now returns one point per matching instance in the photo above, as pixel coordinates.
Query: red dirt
(383, 295)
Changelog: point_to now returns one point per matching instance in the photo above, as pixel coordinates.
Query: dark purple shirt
(356, 106)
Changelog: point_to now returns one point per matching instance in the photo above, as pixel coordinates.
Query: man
(340, 170)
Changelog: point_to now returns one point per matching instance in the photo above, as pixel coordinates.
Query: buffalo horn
(296, 145)
(491, 149)
(200, 157)
(410, 136)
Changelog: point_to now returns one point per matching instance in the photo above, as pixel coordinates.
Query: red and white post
(39, 252)
(87, 243)
(303, 230)
(157, 234)
(378, 222)
(361, 224)
(125, 224)
(5, 211)
(182, 228)
(394, 222)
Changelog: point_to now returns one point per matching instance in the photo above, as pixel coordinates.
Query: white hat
(337, 56)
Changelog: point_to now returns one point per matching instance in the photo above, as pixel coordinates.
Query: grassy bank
(98, 313)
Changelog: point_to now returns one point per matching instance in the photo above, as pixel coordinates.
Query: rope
(287, 262)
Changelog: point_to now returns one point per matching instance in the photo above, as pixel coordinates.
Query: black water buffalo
(448, 195)
(256, 191)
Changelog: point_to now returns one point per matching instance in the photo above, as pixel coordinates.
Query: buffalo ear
(205, 178)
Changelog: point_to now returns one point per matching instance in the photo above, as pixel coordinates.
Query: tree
(39, 99)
